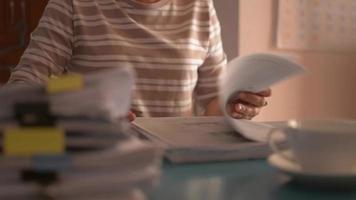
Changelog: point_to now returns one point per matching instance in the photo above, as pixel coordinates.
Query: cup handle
(274, 146)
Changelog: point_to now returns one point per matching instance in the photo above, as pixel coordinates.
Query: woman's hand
(246, 105)
(131, 116)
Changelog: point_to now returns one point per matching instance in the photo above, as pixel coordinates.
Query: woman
(174, 47)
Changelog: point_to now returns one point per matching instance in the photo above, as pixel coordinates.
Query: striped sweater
(174, 46)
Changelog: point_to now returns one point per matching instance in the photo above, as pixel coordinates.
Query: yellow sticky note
(34, 141)
(70, 82)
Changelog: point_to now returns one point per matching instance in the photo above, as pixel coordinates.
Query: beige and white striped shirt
(174, 47)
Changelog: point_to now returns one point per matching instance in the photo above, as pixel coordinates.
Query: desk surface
(241, 180)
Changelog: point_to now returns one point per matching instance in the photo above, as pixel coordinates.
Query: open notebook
(198, 139)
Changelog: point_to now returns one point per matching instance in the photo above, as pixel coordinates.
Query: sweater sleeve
(209, 72)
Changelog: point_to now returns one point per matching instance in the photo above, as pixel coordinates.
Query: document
(199, 139)
(254, 73)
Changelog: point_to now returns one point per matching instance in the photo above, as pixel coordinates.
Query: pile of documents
(104, 95)
(71, 140)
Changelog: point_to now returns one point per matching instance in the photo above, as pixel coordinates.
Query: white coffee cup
(320, 146)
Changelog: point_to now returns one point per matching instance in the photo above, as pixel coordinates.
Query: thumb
(131, 116)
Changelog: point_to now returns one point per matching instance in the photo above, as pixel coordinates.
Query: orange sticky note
(70, 82)
(31, 141)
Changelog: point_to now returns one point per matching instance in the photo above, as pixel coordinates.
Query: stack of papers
(70, 140)
(132, 165)
(105, 95)
(79, 133)
(199, 139)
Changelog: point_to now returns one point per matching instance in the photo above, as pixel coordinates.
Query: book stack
(71, 140)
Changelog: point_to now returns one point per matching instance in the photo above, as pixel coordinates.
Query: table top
(253, 179)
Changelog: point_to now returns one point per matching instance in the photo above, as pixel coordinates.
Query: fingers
(131, 116)
(243, 111)
(246, 105)
(253, 99)
(265, 93)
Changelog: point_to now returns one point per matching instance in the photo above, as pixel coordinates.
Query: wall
(328, 92)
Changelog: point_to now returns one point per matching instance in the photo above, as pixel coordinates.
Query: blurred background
(320, 34)
(18, 18)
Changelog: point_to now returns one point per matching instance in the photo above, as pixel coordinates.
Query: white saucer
(294, 170)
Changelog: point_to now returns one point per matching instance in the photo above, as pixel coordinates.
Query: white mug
(320, 146)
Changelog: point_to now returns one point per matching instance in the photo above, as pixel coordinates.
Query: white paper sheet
(255, 73)
(199, 139)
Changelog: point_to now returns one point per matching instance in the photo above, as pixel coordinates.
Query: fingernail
(240, 108)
